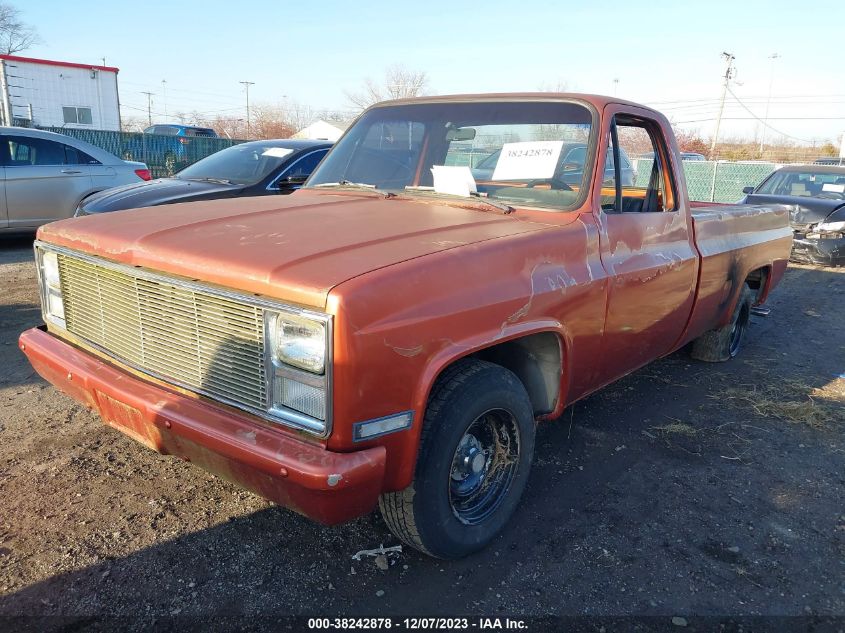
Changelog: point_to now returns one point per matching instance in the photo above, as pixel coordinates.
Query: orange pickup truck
(389, 334)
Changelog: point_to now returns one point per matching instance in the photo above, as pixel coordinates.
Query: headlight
(831, 227)
(51, 288)
(299, 381)
(300, 342)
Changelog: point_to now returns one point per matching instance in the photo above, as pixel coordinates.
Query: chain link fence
(722, 181)
(164, 155)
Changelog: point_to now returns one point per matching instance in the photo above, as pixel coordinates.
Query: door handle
(71, 171)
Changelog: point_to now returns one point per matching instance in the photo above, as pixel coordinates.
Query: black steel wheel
(476, 447)
(484, 466)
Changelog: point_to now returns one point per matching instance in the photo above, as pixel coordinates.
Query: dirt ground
(686, 488)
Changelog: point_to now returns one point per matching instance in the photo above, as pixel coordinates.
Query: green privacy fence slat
(164, 155)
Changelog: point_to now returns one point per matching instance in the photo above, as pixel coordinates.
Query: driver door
(646, 248)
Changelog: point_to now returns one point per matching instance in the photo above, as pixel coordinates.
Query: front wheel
(475, 456)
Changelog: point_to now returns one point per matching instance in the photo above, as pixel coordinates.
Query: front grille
(202, 341)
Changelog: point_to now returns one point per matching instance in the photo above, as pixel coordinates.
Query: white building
(46, 93)
(324, 130)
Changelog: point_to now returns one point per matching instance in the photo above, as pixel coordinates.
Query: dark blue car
(257, 168)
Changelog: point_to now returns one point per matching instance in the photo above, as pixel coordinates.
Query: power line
(765, 124)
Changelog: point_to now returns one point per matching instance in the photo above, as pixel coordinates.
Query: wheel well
(757, 280)
(536, 360)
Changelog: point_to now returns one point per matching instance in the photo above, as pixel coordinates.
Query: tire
(456, 505)
(726, 342)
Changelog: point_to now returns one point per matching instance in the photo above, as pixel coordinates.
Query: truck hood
(295, 248)
(153, 192)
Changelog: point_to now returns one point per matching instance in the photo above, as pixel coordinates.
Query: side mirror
(460, 134)
(748, 190)
(292, 181)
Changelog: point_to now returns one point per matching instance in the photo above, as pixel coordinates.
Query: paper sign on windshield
(457, 181)
(528, 160)
(833, 187)
(277, 152)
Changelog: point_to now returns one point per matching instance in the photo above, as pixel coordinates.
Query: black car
(816, 196)
(257, 168)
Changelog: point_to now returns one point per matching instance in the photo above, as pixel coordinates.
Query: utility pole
(247, 84)
(729, 71)
(773, 57)
(149, 106)
(615, 85)
(164, 95)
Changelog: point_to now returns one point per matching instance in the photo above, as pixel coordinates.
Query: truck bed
(732, 238)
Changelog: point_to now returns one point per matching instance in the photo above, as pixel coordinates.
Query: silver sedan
(47, 175)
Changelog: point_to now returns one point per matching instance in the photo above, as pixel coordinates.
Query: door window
(305, 165)
(640, 186)
(25, 151)
(75, 156)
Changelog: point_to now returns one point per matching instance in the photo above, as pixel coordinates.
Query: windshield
(803, 183)
(514, 152)
(244, 164)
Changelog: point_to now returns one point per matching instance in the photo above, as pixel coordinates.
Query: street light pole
(247, 84)
(772, 57)
(728, 74)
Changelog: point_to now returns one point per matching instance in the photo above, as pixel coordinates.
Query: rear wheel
(726, 342)
(475, 456)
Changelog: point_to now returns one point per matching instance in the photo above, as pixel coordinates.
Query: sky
(666, 54)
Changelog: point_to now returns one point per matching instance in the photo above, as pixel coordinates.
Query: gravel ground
(684, 489)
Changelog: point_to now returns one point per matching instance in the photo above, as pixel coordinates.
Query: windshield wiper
(221, 181)
(501, 206)
(357, 185)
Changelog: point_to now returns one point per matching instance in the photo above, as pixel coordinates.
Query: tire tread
(397, 508)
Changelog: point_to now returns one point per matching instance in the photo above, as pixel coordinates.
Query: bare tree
(560, 85)
(132, 123)
(399, 83)
(15, 35)
(299, 116)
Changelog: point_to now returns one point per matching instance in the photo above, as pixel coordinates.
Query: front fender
(398, 328)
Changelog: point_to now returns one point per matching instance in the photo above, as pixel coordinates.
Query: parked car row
(49, 176)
